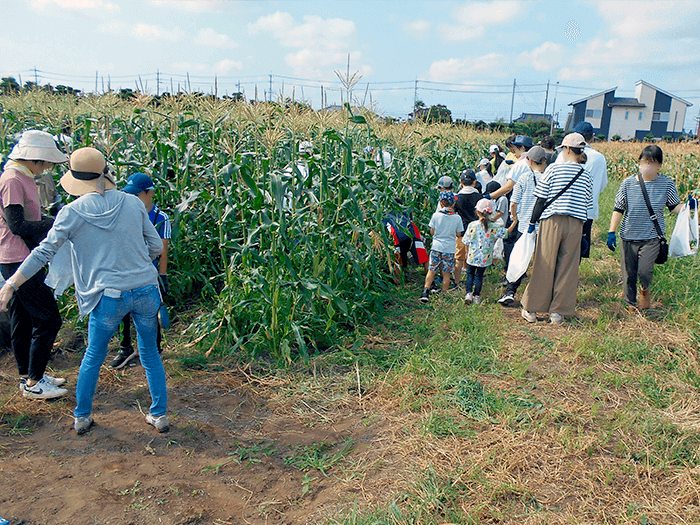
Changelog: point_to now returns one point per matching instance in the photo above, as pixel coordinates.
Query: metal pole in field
(270, 88)
(546, 96)
(157, 82)
(554, 105)
(96, 73)
(512, 101)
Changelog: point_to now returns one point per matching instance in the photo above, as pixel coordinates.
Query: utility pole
(270, 88)
(415, 98)
(512, 101)
(551, 128)
(189, 86)
(157, 83)
(96, 73)
(36, 78)
(546, 96)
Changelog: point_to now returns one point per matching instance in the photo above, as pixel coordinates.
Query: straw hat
(88, 173)
(37, 145)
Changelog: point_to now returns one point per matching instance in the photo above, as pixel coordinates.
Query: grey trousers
(638, 258)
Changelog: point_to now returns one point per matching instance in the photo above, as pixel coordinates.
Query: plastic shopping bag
(60, 275)
(694, 230)
(520, 256)
(679, 246)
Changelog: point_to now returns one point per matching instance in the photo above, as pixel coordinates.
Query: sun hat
(88, 173)
(484, 206)
(37, 145)
(137, 183)
(445, 182)
(467, 176)
(574, 140)
(447, 196)
(536, 154)
(493, 148)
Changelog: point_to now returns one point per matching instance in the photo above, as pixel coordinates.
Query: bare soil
(223, 460)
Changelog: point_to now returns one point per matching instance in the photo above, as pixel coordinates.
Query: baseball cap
(445, 182)
(536, 154)
(484, 206)
(483, 162)
(467, 176)
(137, 183)
(523, 141)
(583, 128)
(493, 148)
(574, 140)
(447, 196)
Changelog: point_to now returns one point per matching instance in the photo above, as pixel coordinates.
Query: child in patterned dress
(480, 239)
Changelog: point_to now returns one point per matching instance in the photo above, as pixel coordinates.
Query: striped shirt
(636, 223)
(575, 201)
(524, 197)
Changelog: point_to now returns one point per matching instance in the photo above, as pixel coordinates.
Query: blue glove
(531, 228)
(692, 202)
(487, 196)
(612, 241)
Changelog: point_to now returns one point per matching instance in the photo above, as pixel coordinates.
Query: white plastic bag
(60, 275)
(694, 231)
(520, 256)
(679, 245)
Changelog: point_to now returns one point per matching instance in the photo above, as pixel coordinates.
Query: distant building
(652, 111)
(533, 117)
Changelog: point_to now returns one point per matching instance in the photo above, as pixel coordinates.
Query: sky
(465, 55)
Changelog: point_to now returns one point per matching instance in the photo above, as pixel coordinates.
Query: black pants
(125, 327)
(34, 322)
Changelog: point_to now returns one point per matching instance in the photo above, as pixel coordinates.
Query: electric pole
(512, 101)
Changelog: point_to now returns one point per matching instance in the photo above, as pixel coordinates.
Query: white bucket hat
(88, 173)
(37, 145)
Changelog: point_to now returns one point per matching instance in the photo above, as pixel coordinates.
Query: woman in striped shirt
(640, 241)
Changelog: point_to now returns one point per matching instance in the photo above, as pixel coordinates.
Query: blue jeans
(143, 303)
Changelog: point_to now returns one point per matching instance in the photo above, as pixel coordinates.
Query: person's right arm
(18, 225)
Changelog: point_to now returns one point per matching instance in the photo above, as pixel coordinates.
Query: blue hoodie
(113, 243)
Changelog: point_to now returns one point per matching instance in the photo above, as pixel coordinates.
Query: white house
(652, 110)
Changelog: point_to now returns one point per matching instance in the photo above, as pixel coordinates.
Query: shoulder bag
(662, 257)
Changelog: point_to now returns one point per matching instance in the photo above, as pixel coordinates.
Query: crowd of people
(118, 241)
(550, 193)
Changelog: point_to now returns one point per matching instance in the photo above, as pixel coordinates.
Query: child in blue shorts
(445, 227)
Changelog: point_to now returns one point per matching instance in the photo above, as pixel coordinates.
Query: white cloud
(74, 5)
(544, 57)
(153, 33)
(226, 65)
(209, 37)
(474, 18)
(321, 42)
(418, 28)
(195, 6)
(458, 68)
(637, 19)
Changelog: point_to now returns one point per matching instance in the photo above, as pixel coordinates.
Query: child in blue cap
(142, 186)
(445, 227)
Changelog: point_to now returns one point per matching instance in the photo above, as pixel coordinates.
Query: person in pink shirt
(34, 316)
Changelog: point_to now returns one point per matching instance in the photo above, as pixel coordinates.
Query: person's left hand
(164, 286)
(531, 228)
(692, 203)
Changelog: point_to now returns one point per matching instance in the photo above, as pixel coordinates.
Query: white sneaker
(82, 424)
(530, 317)
(556, 318)
(55, 381)
(161, 422)
(468, 298)
(43, 390)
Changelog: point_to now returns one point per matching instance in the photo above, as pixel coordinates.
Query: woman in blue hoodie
(113, 243)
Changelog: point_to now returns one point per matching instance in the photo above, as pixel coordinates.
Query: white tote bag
(679, 245)
(520, 256)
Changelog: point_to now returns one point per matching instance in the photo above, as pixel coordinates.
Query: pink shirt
(16, 188)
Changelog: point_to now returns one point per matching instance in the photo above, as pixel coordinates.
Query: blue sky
(465, 55)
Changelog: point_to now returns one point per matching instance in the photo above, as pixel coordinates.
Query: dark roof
(626, 102)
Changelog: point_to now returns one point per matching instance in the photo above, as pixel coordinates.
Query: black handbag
(662, 257)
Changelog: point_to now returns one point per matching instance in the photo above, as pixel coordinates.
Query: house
(533, 117)
(651, 111)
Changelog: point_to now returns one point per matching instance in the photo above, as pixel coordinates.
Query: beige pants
(554, 281)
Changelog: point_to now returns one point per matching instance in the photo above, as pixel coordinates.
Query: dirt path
(232, 455)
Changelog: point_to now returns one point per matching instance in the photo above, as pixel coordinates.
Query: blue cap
(448, 196)
(137, 183)
(584, 128)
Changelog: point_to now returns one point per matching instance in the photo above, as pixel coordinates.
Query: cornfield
(282, 264)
